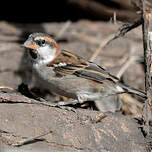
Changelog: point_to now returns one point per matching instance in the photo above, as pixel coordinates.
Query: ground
(22, 118)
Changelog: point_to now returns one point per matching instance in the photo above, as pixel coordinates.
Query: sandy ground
(71, 131)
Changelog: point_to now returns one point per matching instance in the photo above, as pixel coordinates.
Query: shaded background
(62, 10)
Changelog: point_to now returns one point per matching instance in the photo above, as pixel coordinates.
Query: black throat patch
(33, 53)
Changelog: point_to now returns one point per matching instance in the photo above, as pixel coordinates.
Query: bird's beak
(30, 45)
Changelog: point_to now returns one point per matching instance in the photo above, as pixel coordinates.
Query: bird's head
(41, 48)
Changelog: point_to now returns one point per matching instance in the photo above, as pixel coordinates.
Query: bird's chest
(67, 85)
(44, 73)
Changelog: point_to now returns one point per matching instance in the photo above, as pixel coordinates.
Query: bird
(70, 75)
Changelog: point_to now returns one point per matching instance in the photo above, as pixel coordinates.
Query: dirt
(22, 118)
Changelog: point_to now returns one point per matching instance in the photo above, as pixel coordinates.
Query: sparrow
(70, 75)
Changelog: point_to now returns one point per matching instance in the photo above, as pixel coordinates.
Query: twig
(69, 146)
(63, 29)
(132, 58)
(115, 63)
(130, 61)
(29, 140)
(101, 46)
(125, 28)
(115, 18)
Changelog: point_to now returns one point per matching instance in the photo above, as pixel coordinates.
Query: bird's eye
(41, 42)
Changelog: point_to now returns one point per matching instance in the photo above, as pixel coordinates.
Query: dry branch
(100, 47)
(125, 28)
(63, 29)
(147, 43)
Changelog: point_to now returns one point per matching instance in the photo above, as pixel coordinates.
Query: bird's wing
(67, 63)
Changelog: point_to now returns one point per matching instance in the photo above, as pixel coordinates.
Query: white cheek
(46, 54)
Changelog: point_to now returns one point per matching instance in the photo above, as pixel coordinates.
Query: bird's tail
(133, 91)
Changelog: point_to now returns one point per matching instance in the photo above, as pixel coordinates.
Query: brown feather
(68, 58)
(80, 67)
